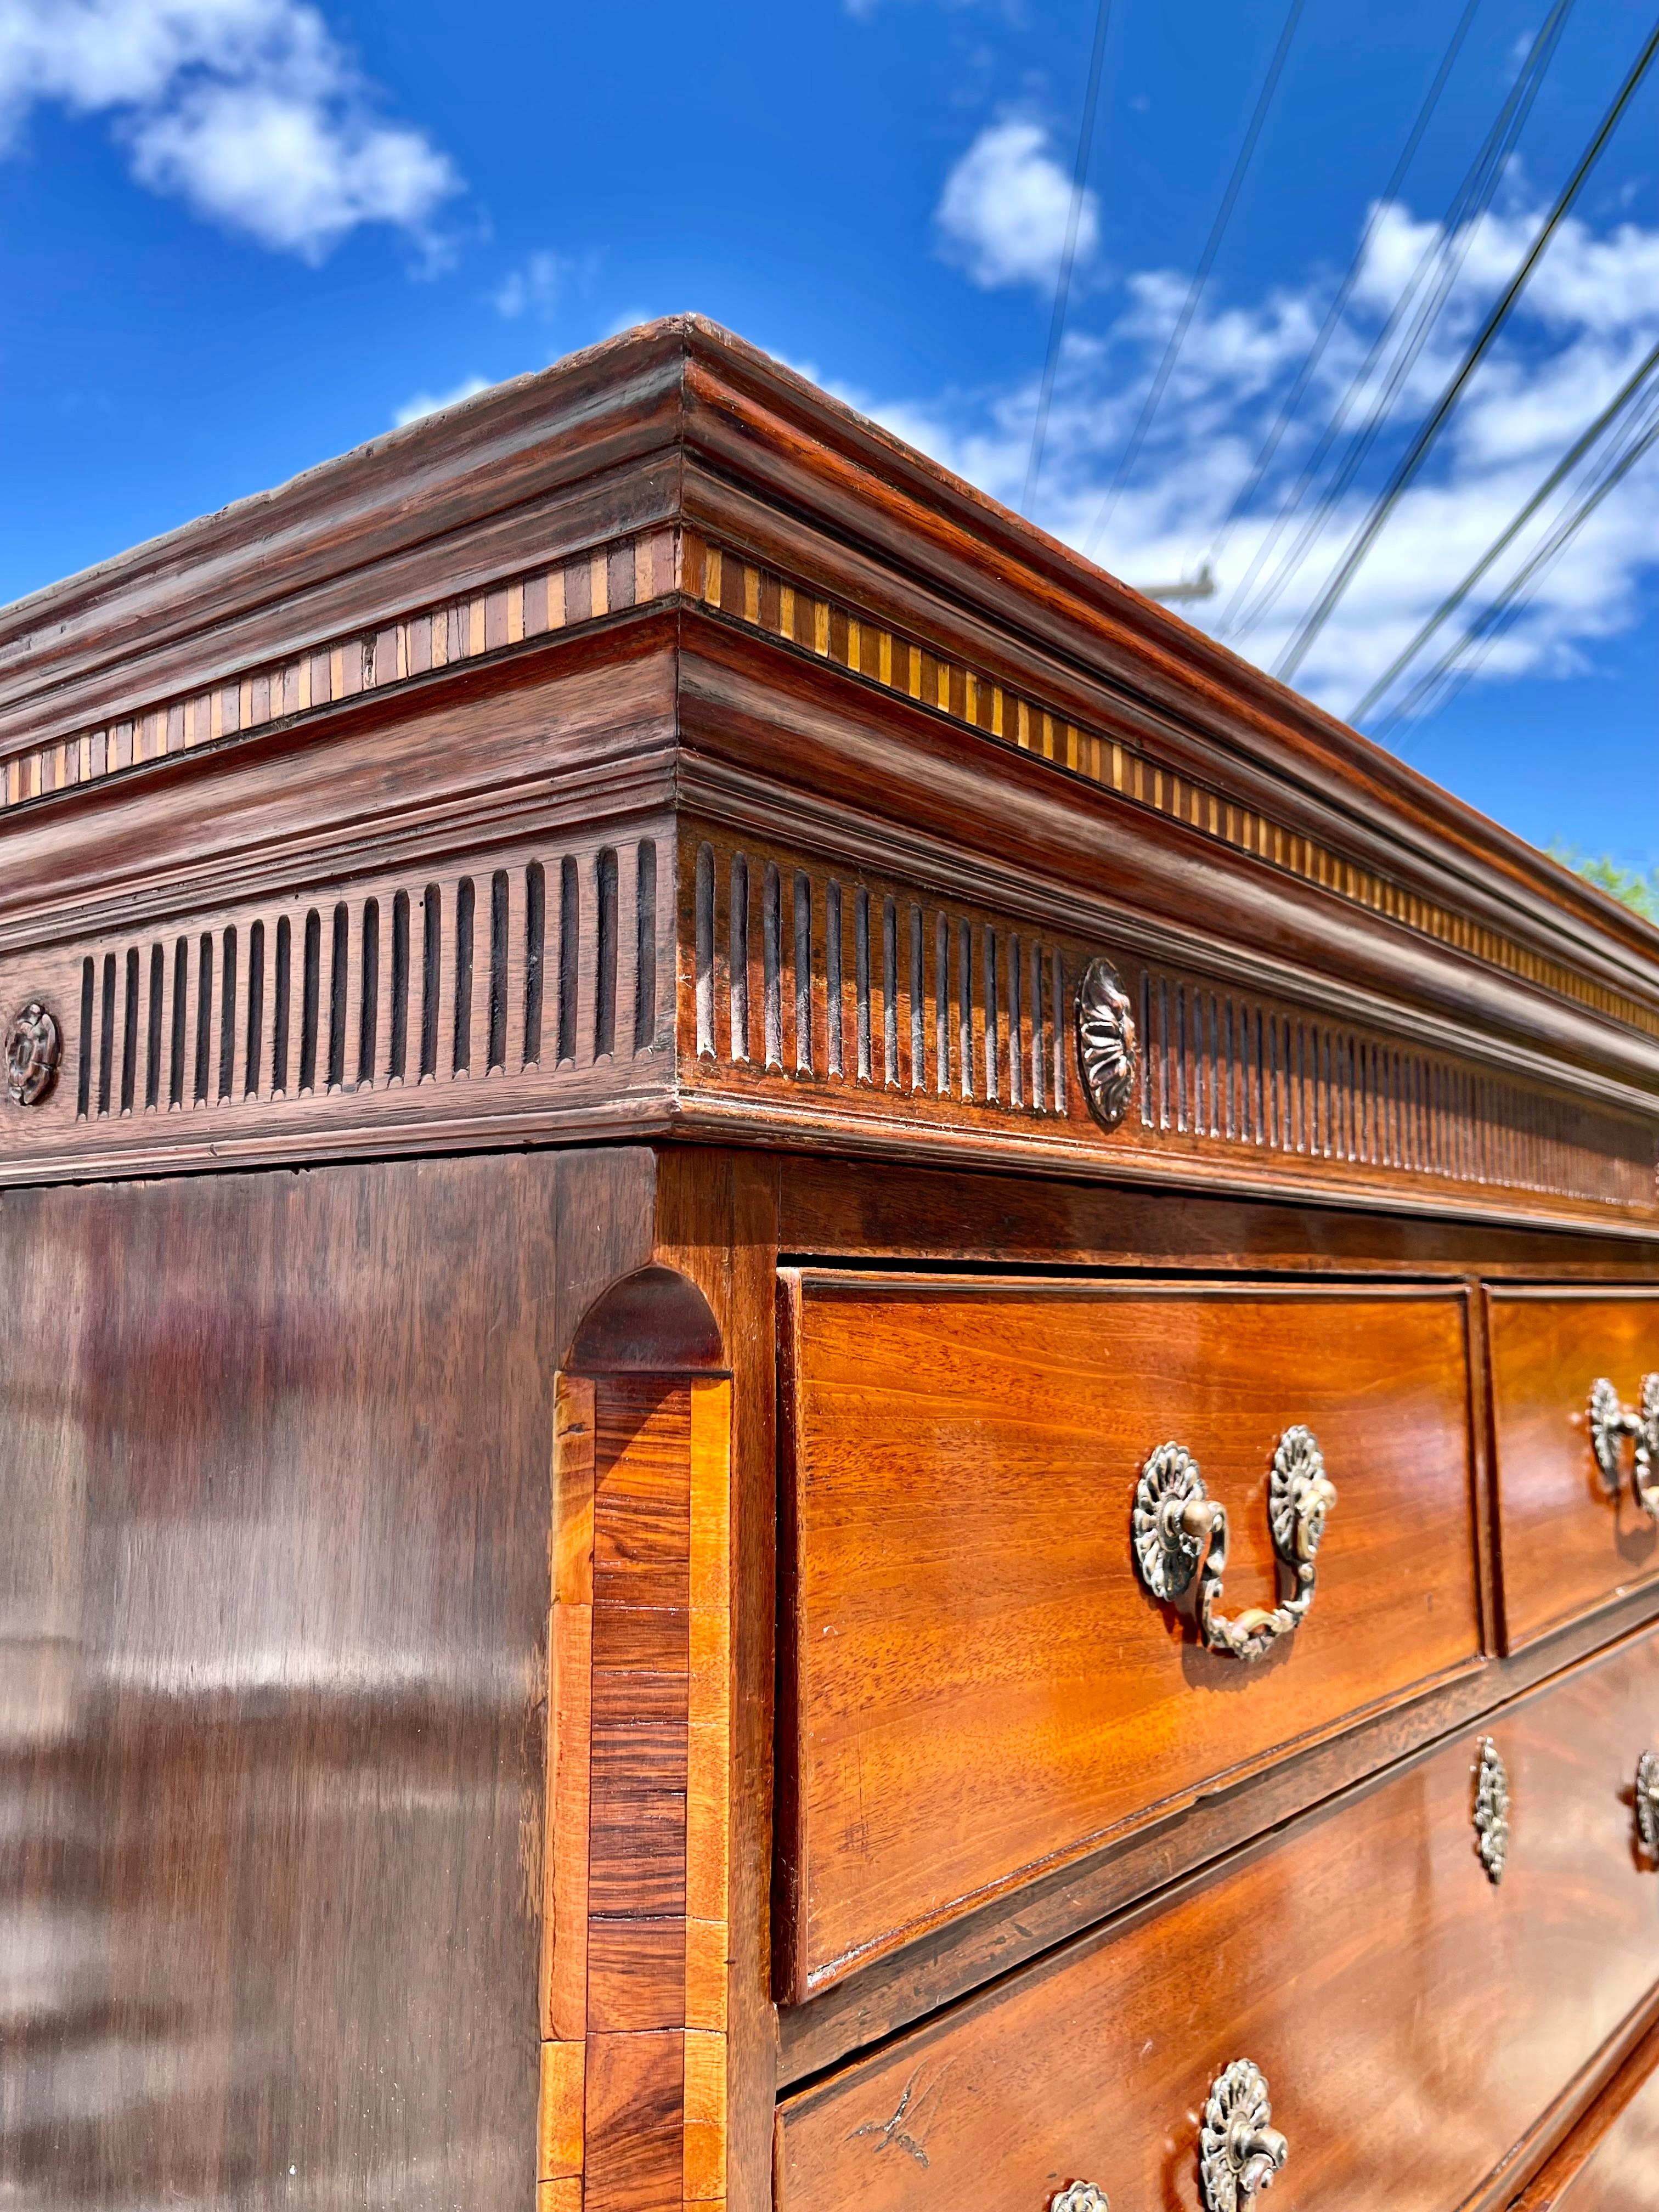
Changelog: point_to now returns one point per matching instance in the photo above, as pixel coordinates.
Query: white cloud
(1589, 316)
(248, 110)
(434, 403)
(1004, 208)
(534, 289)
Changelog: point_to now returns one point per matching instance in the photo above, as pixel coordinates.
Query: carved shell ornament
(1108, 1047)
(34, 1048)
(1081, 2196)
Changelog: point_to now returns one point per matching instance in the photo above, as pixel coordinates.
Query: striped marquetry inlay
(602, 580)
(651, 567)
(768, 602)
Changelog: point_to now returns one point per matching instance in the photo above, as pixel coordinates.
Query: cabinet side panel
(274, 1602)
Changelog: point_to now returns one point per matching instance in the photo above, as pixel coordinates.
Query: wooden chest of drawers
(833, 1382)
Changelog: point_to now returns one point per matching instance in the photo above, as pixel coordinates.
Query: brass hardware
(1179, 1530)
(1647, 1802)
(1108, 1047)
(1612, 1424)
(1492, 1810)
(1239, 2152)
(1081, 2196)
(34, 1048)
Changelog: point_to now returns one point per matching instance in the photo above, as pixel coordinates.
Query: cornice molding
(793, 613)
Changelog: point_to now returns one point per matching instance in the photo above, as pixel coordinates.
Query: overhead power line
(1506, 537)
(1502, 615)
(1412, 461)
(1418, 309)
(1344, 292)
(1201, 274)
(1068, 254)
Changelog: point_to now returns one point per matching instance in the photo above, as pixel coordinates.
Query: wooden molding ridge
(440, 877)
(626, 572)
(795, 614)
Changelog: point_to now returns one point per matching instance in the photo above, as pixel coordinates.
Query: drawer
(1412, 2020)
(977, 1683)
(1569, 1541)
(1609, 2162)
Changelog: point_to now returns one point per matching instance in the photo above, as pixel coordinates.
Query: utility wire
(1407, 469)
(1442, 261)
(1068, 255)
(1344, 292)
(1500, 544)
(1505, 609)
(1201, 274)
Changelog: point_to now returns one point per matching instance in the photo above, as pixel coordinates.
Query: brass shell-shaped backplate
(1492, 1810)
(1165, 1555)
(1239, 2151)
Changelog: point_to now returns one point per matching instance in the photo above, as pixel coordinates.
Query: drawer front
(978, 1683)
(1570, 1538)
(1619, 2172)
(1412, 2020)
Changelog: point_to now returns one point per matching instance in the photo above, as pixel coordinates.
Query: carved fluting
(1227, 1069)
(916, 1010)
(34, 1048)
(1108, 1045)
(807, 976)
(1239, 2152)
(540, 965)
(1492, 1810)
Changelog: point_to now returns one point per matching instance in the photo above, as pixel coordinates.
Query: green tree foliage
(1639, 891)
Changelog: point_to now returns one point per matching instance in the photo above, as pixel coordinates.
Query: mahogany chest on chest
(832, 1381)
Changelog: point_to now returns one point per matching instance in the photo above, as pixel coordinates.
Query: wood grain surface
(274, 1596)
(887, 1215)
(1608, 2162)
(851, 999)
(1566, 1544)
(1415, 2023)
(978, 1685)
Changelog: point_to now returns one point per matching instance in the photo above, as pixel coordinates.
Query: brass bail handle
(1239, 2151)
(1613, 1426)
(1181, 1531)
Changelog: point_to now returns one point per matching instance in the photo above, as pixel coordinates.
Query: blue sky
(237, 236)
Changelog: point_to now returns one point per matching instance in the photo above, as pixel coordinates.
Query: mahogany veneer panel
(1620, 2176)
(1567, 1545)
(981, 1685)
(1413, 2021)
(275, 1593)
(1608, 2162)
